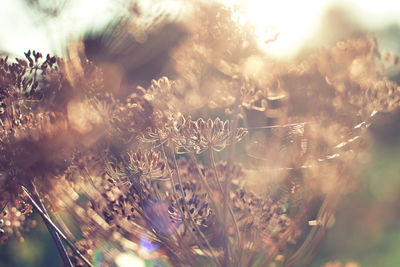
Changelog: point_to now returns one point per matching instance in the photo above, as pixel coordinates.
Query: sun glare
(291, 21)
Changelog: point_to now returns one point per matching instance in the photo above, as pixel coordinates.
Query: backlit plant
(216, 165)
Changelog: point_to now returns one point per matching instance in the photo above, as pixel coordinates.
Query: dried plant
(253, 180)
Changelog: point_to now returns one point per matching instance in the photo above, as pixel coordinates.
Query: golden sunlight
(283, 27)
(288, 21)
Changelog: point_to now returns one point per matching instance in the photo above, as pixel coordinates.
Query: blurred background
(366, 231)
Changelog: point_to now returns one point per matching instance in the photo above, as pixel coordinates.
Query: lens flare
(159, 217)
(129, 259)
(147, 246)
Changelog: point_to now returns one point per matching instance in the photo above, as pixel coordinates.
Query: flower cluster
(217, 166)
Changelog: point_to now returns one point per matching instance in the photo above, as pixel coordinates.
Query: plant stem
(4, 207)
(228, 178)
(53, 226)
(226, 200)
(56, 238)
(174, 195)
(172, 151)
(169, 169)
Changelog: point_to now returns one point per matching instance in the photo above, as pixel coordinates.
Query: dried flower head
(148, 164)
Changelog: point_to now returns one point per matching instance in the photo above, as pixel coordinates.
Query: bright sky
(21, 29)
(296, 20)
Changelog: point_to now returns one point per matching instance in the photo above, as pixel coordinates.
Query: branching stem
(172, 151)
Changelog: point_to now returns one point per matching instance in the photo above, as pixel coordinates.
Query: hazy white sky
(298, 19)
(21, 29)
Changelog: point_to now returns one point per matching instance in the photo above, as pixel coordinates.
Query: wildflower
(148, 164)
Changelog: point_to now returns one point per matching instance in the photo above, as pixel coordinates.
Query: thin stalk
(226, 200)
(59, 232)
(172, 151)
(231, 147)
(210, 193)
(155, 188)
(214, 205)
(169, 169)
(56, 238)
(228, 178)
(4, 207)
(63, 226)
(204, 181)
(175, 195)
(208, 189)
(173, 186)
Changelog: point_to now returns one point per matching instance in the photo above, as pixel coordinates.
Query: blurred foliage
(37, 250)
(367, 224)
